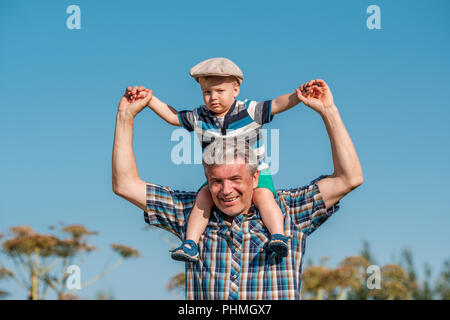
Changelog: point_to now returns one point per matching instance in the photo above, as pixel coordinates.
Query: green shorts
(264, 181)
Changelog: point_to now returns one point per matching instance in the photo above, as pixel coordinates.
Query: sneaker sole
(181, 256)
(279, 247)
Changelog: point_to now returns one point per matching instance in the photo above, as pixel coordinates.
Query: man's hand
(134, 100)
(316, 94)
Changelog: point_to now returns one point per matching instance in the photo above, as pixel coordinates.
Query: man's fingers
(316, 88)
(138, 93)
(316, 91)
(300, 96)
(149, 94)
(320, 83)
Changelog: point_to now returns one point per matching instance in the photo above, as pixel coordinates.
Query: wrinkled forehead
(228, 169)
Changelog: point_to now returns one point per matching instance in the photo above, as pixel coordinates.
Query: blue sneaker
(278, 244)
(184, 253)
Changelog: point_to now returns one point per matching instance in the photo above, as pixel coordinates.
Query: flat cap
(216, 67)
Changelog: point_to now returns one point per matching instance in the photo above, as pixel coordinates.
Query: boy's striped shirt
(244, 120)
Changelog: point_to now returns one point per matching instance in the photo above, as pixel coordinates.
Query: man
(234, 262)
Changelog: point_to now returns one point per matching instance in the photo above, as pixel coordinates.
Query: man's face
(231, 186)
(219, 93)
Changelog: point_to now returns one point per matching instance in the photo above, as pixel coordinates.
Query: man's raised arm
(347, 169)
(125, 178)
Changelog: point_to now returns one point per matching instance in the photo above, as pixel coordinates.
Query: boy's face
(219, 93)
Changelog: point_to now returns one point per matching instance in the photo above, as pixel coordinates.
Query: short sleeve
(260, 112)
(187, 119)
(307, 207)
(168, 209)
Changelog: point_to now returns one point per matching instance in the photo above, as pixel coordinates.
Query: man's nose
(227, 187)
(214, 95)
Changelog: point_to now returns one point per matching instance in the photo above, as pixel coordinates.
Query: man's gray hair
(222, 151)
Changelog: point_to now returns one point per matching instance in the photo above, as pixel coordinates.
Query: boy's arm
(165, 111)
(284, 102)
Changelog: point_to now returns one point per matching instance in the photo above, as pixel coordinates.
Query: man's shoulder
(166, 191)
(304, 192)
(288, 194)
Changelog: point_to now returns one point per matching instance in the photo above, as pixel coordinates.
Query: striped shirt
(244, 120)
(233, 260)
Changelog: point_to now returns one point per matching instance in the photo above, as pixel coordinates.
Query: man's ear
(255, 179)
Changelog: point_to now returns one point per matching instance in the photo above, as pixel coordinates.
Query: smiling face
(231, 186)
(219, 93)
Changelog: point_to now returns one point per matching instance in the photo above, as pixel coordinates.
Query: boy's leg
(199, 216)
(271, 215)
(197, 222)
(270, 211)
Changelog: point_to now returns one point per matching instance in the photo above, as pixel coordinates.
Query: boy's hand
(316, 94)
(136, 92)
(133, 103)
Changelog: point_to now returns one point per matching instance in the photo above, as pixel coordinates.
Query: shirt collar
(253, 213)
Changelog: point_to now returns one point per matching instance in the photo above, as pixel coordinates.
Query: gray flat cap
(216, 67)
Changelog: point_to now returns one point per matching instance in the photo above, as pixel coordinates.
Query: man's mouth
(229, 199)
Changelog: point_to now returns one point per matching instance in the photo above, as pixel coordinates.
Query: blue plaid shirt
(234, 262)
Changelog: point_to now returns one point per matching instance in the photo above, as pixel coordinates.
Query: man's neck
(230, 219)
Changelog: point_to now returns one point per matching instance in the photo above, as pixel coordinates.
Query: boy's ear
(236, 89)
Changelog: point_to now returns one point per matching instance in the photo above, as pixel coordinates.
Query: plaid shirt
(234, 262)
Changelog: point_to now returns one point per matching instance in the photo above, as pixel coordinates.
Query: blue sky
(59, 90)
